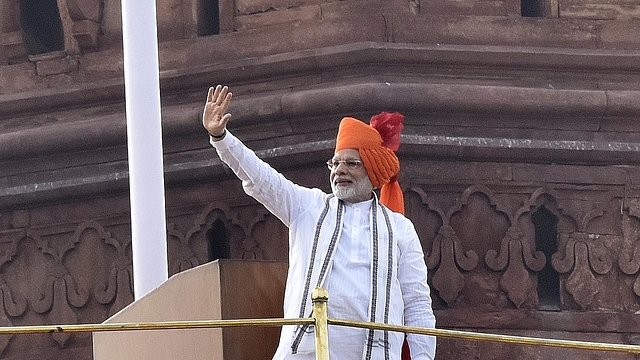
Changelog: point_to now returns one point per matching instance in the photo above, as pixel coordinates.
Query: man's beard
(357, 191)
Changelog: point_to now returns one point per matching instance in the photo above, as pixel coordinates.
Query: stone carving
(58, 291)
(517, 257)
(250, 247)
(14, 305)
(118, 291)
(188, 258)
(447, 255)
(584, 252)
(583, 255)
(630, 264)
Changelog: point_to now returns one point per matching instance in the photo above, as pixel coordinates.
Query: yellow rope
(164, 325)
(199, 324)
(492, 337)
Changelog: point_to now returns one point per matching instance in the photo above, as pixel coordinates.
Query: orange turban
(376, 143)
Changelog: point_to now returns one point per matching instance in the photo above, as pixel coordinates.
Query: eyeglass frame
(351, 164)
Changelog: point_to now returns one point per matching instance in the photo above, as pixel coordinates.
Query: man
(367, 257)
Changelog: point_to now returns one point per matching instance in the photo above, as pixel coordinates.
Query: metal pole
(319, 296)
(144, 140)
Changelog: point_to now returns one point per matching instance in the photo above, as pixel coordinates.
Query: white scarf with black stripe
(327, 233)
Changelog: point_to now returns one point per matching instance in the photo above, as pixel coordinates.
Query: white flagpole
(144, 141)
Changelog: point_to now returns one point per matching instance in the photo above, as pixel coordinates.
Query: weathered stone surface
(620, 34)
(262, 19)
(634, 176)
(84, 9)
(13, 46)
(580, 175)
(171, 19)
(111, 36)
(244, 7)
(86, 32)
(495, 30)
(418, 170)
(17, 78)
(473, 8)
(62, 65)
(599, 10)
(9, 16)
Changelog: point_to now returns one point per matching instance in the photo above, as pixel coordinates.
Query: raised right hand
(215, 116)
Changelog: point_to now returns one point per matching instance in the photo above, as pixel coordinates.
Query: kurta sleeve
(280, 196)
(412, 274)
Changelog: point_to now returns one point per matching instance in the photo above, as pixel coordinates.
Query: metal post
(319, 296)
(144, 140)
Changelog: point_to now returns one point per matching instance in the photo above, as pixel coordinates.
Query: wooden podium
(223, 289)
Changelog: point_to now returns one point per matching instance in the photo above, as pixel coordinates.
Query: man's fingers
(226, 101)
(216, 93)
(220, 94)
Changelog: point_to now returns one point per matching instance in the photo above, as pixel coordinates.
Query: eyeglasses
(351, 164)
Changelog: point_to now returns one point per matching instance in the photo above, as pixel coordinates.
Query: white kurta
(367, 257)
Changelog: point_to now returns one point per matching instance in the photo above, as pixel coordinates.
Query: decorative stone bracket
(583, 255)
(448, 253)
(249, 248)
(516, 252)
(629, 263)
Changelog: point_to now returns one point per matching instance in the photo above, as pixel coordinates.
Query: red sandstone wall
(92, 32)
(505, 115)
